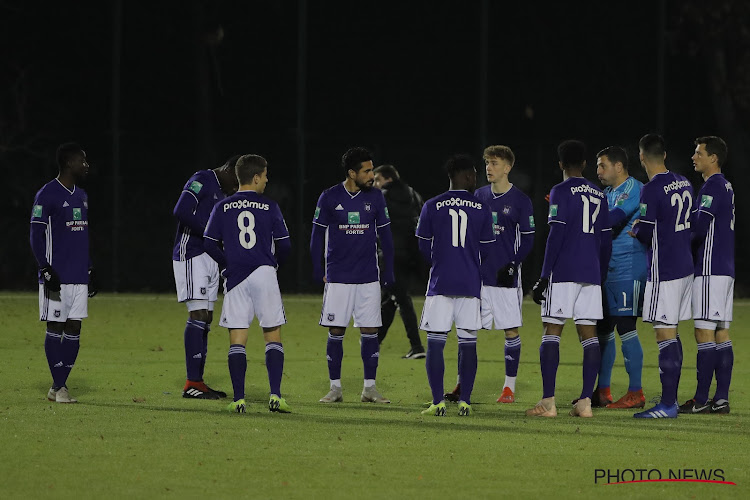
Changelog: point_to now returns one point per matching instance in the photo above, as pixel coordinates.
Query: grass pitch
(132, 435)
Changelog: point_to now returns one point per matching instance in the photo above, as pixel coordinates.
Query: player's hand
(630, 232)
(51, 279)
(388, 282)
(506, 276)
(93, 289)
(538, 292)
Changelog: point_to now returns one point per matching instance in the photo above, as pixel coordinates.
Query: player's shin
(370, 351)
(724, 364)
(608, 349)
(237, 361)
(435, 364)
(632, 355)
(194, 349)
(669, 366)
(705, 363)
(467, 345)
(274, 366)
(69, 353)
(53, 348)
(549, 360)
(591, 364)
(334, 355)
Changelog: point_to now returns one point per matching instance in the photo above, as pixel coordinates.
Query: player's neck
(248, 187)
(654, 169)
(351, 186)
(619, 181)
(572, 172)
(501, 186)
(67, 181)
(708, 174)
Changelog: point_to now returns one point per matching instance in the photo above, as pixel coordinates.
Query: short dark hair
(354, 158)
(714, 146)
(65, 152)
(387, 171)
(652, 145)
(459, 163)
(615, 154)
(248, 166)
(571, 153)
(502, 152)
(232, 161)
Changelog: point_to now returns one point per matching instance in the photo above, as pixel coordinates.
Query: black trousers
(397, 297)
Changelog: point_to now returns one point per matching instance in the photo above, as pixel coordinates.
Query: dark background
(156, 90)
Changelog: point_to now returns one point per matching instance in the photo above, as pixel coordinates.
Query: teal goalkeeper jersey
(628, 261)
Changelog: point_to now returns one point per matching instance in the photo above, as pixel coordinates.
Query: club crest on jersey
(353, 217)
(706, 201)
(552, 210)
(531, 221)
(506, 209)
(37, 212)
(203, 290)
(331, 316)
(644, 207)
(368, 207)
(195, 187)
(76, 214)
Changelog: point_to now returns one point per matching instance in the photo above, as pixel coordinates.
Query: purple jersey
(351, 221)
(664, 226)
(713, 228)
(204, 191)
(247, 224)
(512, 217)
(457, 223)
(66, 217)
(581, 210)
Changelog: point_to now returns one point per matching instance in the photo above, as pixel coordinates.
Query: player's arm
(38, 238)
(702, 216)
(643, 227)
(212, 239)
(318, 238)
(383, 228)
(605, 249)
(281, 240)
(424, 235)
(556, 238)
(527, 228)
(185, 209)
(486, 233)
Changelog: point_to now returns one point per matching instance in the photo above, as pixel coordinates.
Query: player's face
(472, 180)
(605, 170)
(262, 180)
(380, 181)
(365, 177)
(78, 166)
(701, 159)
(496, 168)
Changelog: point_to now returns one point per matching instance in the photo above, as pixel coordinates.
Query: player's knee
(55, 327)
(200, 315)
(210, 317)
(466, 334)
(73, 327)
(337, 331)
(625, 324)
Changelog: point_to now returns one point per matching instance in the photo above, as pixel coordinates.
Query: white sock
(336, 383)
(510, 382)
(369, 382)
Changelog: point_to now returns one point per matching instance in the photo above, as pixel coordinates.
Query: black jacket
(404, 206)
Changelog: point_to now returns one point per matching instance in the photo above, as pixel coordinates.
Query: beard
(364, 186)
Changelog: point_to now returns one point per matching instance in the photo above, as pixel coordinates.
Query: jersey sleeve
(526, 222)
(321, 216)
(382, 217)
(213, 228)
(628, 201)
(43, 208)
(279, 229)
(557, 208)
(424, 224)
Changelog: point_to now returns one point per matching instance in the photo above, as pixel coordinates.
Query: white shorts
(257, 295)
(197, 281)
(713, 297)
(71, 302)
(341, 301)
(668, 303)
(440, 312)
(503, 305)
(580, 301)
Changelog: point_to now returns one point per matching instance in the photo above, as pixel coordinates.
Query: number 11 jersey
(247, 224)
(457, 223)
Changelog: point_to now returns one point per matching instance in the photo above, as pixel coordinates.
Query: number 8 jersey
(581, 208)
(247, 224)
(664, 226)
(457, 223)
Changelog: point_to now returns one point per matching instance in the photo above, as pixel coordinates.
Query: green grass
(133, 435)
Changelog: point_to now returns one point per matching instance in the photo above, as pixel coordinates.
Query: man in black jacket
(404, 205)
